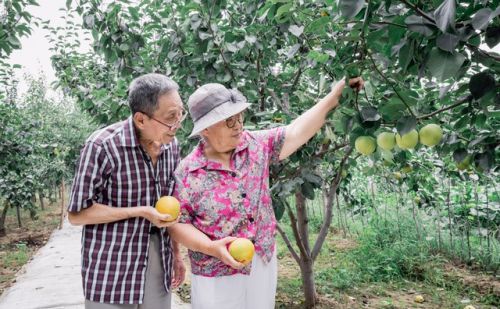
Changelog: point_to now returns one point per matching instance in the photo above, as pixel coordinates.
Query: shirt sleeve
(181, 193)
(89, 177)
(272, 140)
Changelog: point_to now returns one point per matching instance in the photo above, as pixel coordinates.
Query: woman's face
(225, 135)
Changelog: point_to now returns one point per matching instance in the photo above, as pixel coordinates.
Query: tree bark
(6, 206)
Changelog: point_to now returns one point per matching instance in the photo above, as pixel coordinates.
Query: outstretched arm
(306, 125)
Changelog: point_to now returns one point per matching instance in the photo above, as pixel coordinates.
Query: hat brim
(219, 113)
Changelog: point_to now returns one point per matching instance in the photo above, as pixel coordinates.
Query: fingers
(357, 83)
(230, 261)
(227, 240)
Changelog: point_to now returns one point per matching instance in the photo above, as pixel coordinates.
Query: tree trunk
(6, 206)
(18, 213)
(63, 213)
(42, 203)
(308, 285)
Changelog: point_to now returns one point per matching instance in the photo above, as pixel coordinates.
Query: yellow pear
(431, 135)
(365, 145)
(169, 205)
(408, 140)
(242, 250)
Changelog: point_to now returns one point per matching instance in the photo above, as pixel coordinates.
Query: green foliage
(40, 140)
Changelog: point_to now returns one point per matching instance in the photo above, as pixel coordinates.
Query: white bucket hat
(212, 103)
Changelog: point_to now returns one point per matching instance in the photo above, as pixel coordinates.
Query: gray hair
(144, 91)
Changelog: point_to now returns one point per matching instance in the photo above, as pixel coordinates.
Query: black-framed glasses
(175, 124)
(231, 121)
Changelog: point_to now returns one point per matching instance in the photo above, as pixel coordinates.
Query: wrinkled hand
(179, 271)
(158, 219)
(356, 83)
(219, 250)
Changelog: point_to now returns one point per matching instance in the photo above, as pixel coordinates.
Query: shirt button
(243, 195)
(250, 219)
(233, 174)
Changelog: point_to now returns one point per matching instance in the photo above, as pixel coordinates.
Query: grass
(389, 263)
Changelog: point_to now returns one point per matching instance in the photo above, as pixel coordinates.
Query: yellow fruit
(419, 299)
(407, 168)
(242, 250)
(465, 164)
(407, 141)
(431, 135)
(417, 200)
(386, 141)
(365, 145)
(469, 307)
(343, 173)
(168, 205)
(397, 175)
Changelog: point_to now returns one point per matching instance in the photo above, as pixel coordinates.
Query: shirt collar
(129, 136)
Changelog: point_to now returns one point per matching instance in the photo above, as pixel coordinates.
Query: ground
(463, 285)
(21, 243)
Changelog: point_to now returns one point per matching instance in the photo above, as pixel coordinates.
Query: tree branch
(419, 11)
(288, 244)
(458, 103)
(390, 84)
(329, 207)
(298, 239)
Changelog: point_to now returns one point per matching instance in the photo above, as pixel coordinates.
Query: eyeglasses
(175, 124)
(231, 121)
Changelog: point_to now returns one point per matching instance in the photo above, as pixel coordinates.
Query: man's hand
(158, 219)
(218, 249)
(179, 271)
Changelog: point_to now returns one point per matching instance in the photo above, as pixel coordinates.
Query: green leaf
(134, 13)
(445, 16)
(284, 9)
(351, 8)
(482, 18)
(392, 109)
(480, 84)
(419, 24)
(444, 65)
(447, 42)
(492, 36)
(307, 190)
(296, 30)
(369, 114)
(406, 124)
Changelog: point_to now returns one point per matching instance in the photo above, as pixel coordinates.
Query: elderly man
(223, 187)
(127, 254)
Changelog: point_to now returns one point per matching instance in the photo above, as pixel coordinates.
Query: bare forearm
(190, 237)
(99, 213)
(176, 248)
(307, 124)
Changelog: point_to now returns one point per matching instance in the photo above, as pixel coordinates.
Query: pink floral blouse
(235, 202)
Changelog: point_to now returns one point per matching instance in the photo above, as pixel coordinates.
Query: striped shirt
(114, 170)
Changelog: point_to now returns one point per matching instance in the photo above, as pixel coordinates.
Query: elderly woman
(223, 187)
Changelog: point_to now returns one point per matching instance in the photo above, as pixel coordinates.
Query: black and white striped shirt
(114, 170)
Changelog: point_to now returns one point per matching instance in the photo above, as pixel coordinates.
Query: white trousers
(254, 291)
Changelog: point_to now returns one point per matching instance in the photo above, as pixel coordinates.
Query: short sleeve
(89, 177)
(272, 140)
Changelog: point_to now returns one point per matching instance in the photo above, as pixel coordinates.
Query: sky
(35, 55)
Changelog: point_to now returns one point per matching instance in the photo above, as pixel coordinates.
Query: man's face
(162, 126)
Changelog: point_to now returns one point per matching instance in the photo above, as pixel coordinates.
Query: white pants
(254, 291)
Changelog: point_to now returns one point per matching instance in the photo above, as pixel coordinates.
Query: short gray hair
(144, 91)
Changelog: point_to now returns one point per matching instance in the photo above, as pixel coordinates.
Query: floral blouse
(235, 202)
